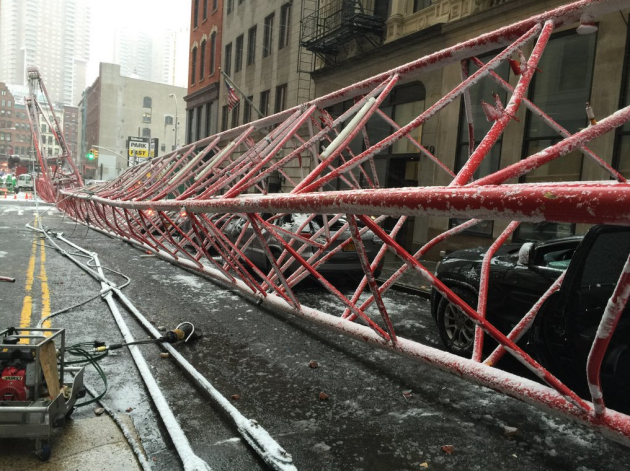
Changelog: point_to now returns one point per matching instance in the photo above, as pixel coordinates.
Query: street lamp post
(175, 143)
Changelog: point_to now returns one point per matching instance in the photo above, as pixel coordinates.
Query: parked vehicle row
(344, 262)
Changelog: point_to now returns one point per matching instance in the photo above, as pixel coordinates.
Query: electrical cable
(77, 350)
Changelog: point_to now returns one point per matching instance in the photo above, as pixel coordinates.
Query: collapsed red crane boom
(207, 205)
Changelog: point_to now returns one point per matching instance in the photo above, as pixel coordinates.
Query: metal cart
(37, 417)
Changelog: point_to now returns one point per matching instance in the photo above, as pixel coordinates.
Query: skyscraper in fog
(133, 51)
(52, 35)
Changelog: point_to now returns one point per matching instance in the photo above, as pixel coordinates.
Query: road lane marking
(27, 304)
(43, 278)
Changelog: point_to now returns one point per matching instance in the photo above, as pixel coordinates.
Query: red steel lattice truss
(183, 205)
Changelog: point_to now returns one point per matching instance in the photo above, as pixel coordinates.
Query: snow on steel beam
(577, 202)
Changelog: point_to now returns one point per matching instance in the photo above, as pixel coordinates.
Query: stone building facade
(576, 68)
(115, 108)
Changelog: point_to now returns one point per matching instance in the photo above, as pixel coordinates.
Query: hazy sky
(149, 15)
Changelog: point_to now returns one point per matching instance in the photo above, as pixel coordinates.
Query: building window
(147, 102)
(251, 46)
(481, 91)
(560, 92)
(208, 130)
(268, 35)
(264, 102)
(235, 114)
(205, 9)
(195, 13)
(230, 6)
(202, 60)
(193, 65)
(146, 132)
(421, 4)
(621, 155)
(247, 110)
(146, 118)
(168, 121)
(215, 5)
(224, 118)
(189, 124)
(281, 97)
(285, 25)
(238, 63)
(213, 44)
(227, 65)
(198, 114)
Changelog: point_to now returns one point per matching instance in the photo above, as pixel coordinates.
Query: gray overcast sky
(149, 15)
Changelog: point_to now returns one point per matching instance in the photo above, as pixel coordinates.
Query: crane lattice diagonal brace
(58, 171)
(213, 204)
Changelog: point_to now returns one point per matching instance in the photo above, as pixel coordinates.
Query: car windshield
(298, 219)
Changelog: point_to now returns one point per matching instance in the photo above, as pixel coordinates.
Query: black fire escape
(337, 23)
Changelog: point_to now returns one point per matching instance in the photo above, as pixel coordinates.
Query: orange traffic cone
(14, 197)
(25, 195)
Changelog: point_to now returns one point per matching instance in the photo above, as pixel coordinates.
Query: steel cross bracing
(212, 206)
(58, 171)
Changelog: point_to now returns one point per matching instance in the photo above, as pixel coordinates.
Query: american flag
(233, 98)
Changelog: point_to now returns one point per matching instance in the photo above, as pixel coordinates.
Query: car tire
(456, 330)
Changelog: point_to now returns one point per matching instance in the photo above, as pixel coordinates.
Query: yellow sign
(138, 147)
(142, 153)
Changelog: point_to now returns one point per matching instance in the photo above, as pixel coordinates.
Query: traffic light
(90, 154)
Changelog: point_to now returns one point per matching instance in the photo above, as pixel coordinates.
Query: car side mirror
(525, 253)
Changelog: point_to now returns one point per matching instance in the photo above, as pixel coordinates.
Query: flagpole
(241, 92)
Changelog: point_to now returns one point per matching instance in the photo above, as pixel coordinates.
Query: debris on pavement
(448, 449)
(511, 432)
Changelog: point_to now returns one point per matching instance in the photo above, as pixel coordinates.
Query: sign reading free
(138, 147)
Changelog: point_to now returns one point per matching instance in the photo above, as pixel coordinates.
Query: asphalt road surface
(382, 412)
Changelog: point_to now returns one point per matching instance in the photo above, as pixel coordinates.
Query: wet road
(262, 359)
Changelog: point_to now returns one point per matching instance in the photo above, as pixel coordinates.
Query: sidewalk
(94, 443)
(411, 281)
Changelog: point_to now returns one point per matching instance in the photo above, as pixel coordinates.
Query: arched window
(202, 60)
(193, 65)
(146, 102)
(146, 132)
(213, 43)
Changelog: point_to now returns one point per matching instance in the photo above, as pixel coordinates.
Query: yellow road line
(44, 285)
(27, 304)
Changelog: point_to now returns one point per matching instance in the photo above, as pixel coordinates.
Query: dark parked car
(343, 263)
(566, 324)
(515, 284)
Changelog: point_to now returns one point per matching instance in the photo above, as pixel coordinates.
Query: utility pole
(175, 143)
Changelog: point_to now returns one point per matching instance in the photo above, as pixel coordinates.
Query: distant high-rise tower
(170, 57)
(52, 35)
(133, 52)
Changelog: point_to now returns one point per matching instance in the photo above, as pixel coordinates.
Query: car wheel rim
(459, 329)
